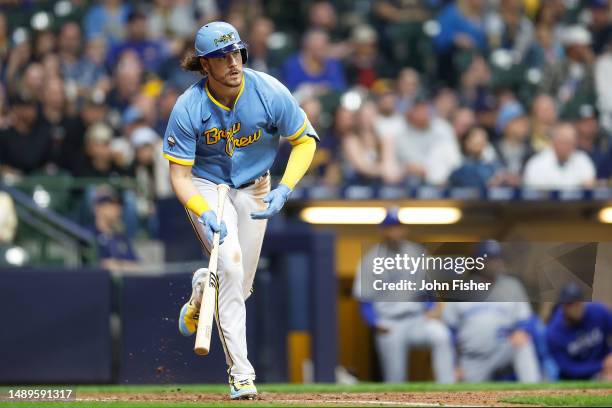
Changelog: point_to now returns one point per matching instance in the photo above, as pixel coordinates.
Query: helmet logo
(225, 38)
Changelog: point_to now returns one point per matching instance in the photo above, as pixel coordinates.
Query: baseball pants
(238, 259)
(393, 348)
(522, 359)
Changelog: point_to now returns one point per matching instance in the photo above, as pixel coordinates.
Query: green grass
(575, 400)
(562, 401)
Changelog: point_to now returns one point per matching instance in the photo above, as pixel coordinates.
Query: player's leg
(392, 351)
(251, 232)
(476, 368)
(435, 335)
(525, 363)
(231, 313)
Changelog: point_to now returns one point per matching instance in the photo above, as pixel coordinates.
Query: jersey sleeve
(180, 138)
(288, 117)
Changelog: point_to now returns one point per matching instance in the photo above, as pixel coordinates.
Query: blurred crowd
(470, 93)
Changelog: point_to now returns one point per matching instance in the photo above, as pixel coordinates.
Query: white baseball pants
(238, 259)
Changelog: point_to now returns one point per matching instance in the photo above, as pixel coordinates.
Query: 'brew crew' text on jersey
(233, 145)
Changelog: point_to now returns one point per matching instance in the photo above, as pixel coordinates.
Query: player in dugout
(225, 129)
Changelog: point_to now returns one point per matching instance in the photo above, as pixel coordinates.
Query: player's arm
(292, 123)
(179, 148)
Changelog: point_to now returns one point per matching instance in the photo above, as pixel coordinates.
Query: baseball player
(401, 325)
(226, 129)
(491, 335)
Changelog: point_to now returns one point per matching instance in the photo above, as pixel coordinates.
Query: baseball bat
(209, 292)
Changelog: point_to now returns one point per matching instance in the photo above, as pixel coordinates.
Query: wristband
(197, 204)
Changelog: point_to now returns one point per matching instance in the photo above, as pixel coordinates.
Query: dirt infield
(431, 398)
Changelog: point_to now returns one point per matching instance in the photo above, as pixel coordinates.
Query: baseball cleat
(190, 312)
(242, 389)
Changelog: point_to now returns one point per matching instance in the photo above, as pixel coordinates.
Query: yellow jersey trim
(299, 131)
(219, 104)
(176, 160)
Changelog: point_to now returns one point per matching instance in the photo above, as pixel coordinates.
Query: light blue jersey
(233, 146)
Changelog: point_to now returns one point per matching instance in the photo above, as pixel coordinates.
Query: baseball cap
(106, 194)
(576, 35)
(99, 132)
(507, 113)
(392, 218)
(571, 292)
(131, 115)
(143, 136)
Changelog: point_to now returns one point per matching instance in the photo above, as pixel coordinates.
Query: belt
(250, 183)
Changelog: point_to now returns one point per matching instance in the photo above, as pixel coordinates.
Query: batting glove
(276, 199)
(209, 221)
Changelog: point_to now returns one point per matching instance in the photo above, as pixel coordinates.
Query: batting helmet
(217, 39)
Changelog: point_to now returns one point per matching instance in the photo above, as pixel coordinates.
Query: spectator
(423, 135)
(600, 25)
(572, 80)
(97, 160)
(461, 29)
(547, 49)
(115, 250)
(561, 165)
(322, 16)
(44, 44)
(4, 38)
(171, 19)
(313, 67)
(363, 150)
(510, 29)
(490, 335)
(591, 139)
(150, 52)
(127, 81)
(393, 321)
(73, 66)
(543, 118)
(513, 149)
(408, 87)
(19, 58)
(261, 57)
(26, 129)
(445, 103)
(58, 123)
(106, 20)
(146, 144)
(365, 64)
(32, 81)
(475, 91)
(475, 171)
(165, 103)
(578, 336)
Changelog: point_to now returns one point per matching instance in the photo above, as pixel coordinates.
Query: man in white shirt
(560, 166)
(424, 141)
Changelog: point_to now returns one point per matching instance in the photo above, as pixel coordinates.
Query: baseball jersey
(482, 326)
(233, 145)
(581, 348)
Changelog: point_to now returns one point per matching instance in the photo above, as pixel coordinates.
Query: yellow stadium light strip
(343, 215)
(429, 215)
(605, 215)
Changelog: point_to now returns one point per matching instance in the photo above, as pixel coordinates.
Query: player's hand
(276, 200)
(209, 221)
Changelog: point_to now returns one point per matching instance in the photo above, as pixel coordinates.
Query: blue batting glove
(209, 221)
(275, 199)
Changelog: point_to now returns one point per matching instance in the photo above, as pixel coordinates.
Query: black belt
(250, 183)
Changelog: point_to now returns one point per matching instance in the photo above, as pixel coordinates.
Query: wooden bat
(209, 290)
